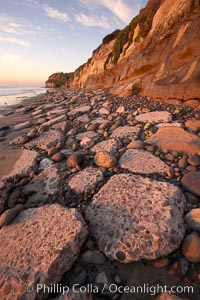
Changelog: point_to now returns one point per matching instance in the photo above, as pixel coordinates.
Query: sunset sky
(41, 37)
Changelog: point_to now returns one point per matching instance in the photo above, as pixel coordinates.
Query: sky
(41, 37)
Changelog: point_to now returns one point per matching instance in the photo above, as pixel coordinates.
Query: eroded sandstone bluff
(156, 55)
(104, 191)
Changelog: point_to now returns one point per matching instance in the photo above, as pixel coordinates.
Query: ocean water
(10, 95)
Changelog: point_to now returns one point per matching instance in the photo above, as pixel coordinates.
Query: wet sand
(9, 117)
(12, 119)
(7, 159)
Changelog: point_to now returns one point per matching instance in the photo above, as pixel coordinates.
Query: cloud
(11, 28)
(15, 41)
(55, 14)
(30, 3)
(35, 2)
(125, 10)
(92, 21)
(7, 25)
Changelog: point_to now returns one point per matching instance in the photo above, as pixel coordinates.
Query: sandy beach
(9, 118)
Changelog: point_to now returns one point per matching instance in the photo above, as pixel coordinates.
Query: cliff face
(156, 55)
(57, 80)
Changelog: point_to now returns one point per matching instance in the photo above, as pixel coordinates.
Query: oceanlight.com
(113, 288)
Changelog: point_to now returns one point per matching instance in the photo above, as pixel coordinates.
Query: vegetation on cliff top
(108, 38)
(125, 37)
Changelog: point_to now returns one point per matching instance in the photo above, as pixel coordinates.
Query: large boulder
(46, 140)
(47, 183)
(79, 109)
(37, 248)
(136, 218)
(175, 138)
(86, 180)
(109, 145)
(144, 162)
(125, 132)
(155, 117)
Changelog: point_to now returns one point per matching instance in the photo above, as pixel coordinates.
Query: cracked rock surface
(143, 162)
(134, 218)
(40, 245)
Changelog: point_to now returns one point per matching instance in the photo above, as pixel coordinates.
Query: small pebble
(59, 156)
(75, 160)
(93, 257)
(194, 160)
(105, 159)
